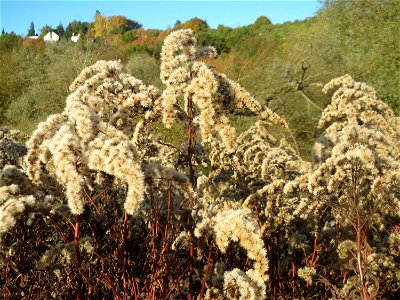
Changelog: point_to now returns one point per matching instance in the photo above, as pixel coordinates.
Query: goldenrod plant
(99, 205)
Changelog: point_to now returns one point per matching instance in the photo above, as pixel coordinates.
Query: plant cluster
(98, 205)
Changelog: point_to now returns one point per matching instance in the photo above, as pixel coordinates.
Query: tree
(105, 26)
(195, 24)
(110, 30)
(76, 27)
(262, 21)
(132, 24)
(45, 29)
(69, 30)
(31, 30)
(3, 32)
(84, 27)
(129, 36)
(8, 41)
(99, 25)
(117, 25)
(59, 30)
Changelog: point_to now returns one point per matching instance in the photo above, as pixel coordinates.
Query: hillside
(284, 65)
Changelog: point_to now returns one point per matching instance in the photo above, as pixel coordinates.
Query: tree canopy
(31, 30)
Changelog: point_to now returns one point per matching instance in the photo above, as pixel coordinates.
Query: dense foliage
(282, 65)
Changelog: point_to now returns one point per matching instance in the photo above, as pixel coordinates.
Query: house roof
(51, 36)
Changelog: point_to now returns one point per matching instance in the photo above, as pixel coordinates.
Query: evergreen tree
(59, 30)
(72, 28)
(31, 30)
(76, 27)
(132, 24)
(84, 27)
(3, 32)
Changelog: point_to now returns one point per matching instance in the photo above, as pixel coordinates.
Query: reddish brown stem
(203, 285)
(135, 288)
(91, 201)
(293, 278)
(359, 259)
(78, 258)
(125, 254)
(314, 252)
(168, 216)
(108, 281)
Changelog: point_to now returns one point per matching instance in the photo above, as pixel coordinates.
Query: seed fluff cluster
(88, 136)
(213, 93)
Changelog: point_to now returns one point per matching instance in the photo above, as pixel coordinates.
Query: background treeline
(284, 65)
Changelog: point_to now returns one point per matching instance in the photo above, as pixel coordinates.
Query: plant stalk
(78, 258)
(359, 259)
(193, 182)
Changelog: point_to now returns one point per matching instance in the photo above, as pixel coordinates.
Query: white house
(51, 37)
(33, 37)
(75, 38)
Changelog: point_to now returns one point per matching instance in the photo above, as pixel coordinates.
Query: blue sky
(17, 15)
